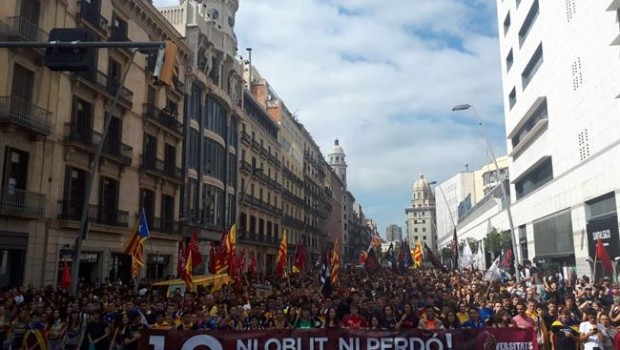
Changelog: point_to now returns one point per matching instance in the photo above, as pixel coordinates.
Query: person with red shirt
(354, 320)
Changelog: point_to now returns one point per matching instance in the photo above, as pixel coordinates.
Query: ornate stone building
(421, 214)
(50, 126)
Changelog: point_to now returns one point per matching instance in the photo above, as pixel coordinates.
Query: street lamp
(500, 178)
(443, 195)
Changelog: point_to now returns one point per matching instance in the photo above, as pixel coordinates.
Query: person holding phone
(591, 333)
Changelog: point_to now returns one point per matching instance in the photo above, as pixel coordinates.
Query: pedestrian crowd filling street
(111, 315)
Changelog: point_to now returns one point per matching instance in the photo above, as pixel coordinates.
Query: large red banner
(341, 339)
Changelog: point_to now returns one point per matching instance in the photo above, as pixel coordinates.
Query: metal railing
(18, 202)
(92, 16)
(90, 138)
(164, 167)
(166, 118)
(21, 29)
(105, 84)
(165, 226)
(16, 110)
(72, 210)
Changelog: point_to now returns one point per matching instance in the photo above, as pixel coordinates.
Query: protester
(112, 316)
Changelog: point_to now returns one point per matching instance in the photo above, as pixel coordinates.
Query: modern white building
(421, 215)
(448, 195)
(561, 83)
(457, 196)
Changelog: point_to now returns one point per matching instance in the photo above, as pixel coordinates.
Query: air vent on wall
(577, 74)
(584, 145)
(571, 10)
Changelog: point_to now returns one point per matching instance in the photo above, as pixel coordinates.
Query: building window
(539, 114)
(75, 185)
(119, 29)
(532, 66)
(415, 238)
(507, 23)
(528, 23)
(108, 201)
(424, 238)
(215, 159)
(534, 178)
(147, 202)
(194, 148)
(512, 98)
(15, 174)
(424, 230)
(415, 229)
(216, 117)
(167, 213)
(252, 224)
(509, 61)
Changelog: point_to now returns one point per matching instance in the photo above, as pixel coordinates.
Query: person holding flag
(135, 246)
(282, 259)
(300, 256)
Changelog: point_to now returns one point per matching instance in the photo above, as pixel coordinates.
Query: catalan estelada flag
(282, 259)
(135, 246)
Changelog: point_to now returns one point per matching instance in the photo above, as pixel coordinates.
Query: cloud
(382, 77)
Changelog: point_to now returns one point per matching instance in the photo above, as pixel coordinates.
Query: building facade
(50, 126)
(421, 215)
(291, 147)
(393, 233)
(214, 97)
(561, 83)
(457, 196)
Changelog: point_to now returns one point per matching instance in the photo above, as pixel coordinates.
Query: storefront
(90, 265)
(12, 258)
(602, 223)
(553, 242)
(120, 267)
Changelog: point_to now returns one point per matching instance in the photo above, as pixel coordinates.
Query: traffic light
(166, 64)
(70, 59)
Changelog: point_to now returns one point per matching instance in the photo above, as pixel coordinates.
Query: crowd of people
(564, 313)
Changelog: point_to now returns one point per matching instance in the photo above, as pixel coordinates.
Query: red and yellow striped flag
(282, 259)
(336, 261)
(418, 254)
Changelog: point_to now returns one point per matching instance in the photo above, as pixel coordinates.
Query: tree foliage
(495, 241)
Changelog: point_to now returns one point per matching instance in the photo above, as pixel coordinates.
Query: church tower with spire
(337, 161)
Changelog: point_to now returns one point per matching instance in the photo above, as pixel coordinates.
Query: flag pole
(594, 268)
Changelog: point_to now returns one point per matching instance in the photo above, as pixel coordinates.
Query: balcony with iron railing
(19, 28)
(165, 118)
(21, 203)
(256, 145)
(102, 84)
(72, 211)
(165, 226)
(246, 138)
(90, 17)
(246, 167)
(89, 139)
(162, 168)
(17, 111)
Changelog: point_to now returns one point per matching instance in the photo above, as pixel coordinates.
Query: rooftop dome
(420, 184)
(337, 148)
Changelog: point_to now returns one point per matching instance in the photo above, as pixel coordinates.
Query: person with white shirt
(591, 333)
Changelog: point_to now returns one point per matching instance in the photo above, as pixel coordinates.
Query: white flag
(467, 257)
(493, 273)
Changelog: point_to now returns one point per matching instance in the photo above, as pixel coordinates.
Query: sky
(382, 77)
